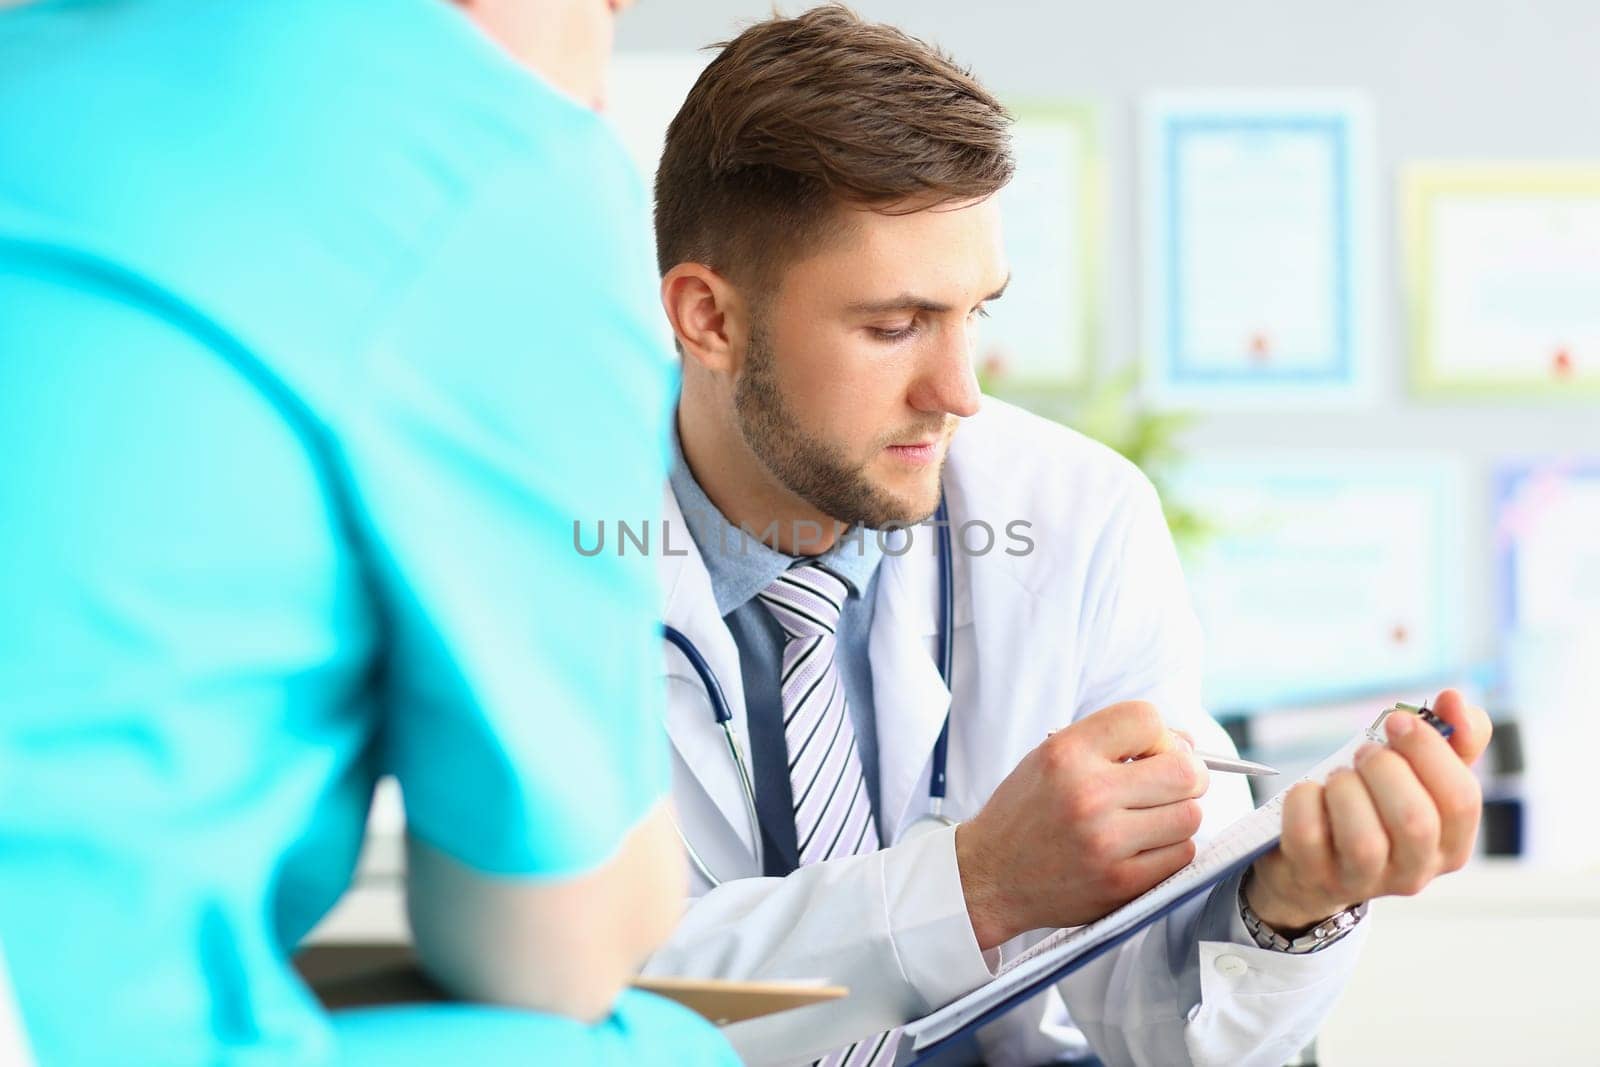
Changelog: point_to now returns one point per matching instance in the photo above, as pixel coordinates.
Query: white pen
(1234, 766)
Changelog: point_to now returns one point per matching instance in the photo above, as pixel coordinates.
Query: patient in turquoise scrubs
(321, 322)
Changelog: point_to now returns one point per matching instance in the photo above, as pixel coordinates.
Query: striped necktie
(832, 814)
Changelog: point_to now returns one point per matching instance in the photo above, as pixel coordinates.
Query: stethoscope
(934, 818)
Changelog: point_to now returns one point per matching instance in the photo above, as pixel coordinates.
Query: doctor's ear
(708, 316)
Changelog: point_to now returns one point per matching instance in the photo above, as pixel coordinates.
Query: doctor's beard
(814, 470)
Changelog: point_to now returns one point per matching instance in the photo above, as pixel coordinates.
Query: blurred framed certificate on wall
(1324, 574)
(1547, 532)
(1043, 334)
(1258, 244)
(1504, 279)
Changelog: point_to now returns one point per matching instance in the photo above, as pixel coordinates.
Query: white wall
(1451, 79)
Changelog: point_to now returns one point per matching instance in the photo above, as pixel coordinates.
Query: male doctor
(828, 236)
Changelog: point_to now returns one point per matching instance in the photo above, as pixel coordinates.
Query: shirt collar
(741, 565)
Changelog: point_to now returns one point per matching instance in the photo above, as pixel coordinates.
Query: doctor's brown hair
(798, 117)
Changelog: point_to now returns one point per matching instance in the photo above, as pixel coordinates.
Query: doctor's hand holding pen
(1107, 807)
(1099, 812)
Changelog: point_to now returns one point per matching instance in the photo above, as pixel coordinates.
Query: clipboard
(722, 1003)
(1066, 951)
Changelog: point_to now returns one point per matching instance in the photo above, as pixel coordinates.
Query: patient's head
(568, 42)
(828, 234)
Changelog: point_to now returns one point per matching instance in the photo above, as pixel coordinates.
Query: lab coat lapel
(691, 724)
(909, 697)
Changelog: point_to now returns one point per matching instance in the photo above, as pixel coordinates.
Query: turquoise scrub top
(321, 324)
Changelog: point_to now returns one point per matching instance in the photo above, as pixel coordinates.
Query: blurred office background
(1378, 493)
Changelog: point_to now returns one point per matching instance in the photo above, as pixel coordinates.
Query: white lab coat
(1095, 613)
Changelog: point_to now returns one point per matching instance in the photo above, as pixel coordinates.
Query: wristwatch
(1316, 939)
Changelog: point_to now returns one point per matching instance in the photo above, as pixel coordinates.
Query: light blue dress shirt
(320, 323)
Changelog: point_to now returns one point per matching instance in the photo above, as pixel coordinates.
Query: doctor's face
(859, 365)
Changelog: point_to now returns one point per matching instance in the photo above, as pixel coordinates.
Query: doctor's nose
(949, 382)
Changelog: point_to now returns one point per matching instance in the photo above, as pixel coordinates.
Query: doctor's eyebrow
(913, 302)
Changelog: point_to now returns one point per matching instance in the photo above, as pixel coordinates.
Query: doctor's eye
(898, 334)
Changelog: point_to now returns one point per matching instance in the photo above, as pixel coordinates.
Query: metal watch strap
(1319, 937)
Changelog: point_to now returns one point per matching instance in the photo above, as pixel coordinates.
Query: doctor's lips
(917, 454)
(920, 450)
